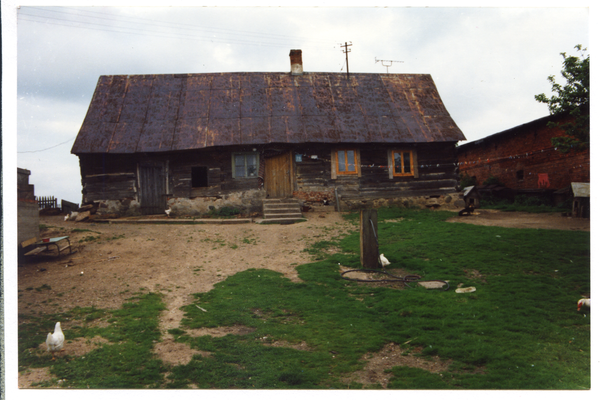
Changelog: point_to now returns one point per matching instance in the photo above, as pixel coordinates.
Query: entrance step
(281, 211)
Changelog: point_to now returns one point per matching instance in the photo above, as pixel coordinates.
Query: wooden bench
(44, 244)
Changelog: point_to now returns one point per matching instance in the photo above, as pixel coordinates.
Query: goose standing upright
(56, 340)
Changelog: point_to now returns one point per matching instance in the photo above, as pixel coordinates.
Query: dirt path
(524, 220)
(115, 260)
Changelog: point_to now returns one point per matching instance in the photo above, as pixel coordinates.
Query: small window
(245, 165)
(346, 162)
(520, 175)
(403, 163)
(199, 177)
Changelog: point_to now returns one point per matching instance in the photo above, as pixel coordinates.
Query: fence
(47, 202)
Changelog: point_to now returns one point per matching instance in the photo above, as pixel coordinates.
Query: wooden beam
(369, 246)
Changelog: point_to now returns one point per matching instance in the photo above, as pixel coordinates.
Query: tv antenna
(346, 51)
(387, 66)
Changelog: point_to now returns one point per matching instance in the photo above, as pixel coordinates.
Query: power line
(176, 31)
(177, 25)
(48, 148)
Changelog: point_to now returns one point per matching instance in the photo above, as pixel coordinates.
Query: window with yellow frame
(346, 162)
(402, 163)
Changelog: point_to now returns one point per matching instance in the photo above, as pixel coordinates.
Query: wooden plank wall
(114, 177)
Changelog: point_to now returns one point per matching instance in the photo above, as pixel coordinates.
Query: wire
(176, 29)
(37, 151)
(154, 22)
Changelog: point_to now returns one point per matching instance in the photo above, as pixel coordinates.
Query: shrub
(492, 180)
(466, 181)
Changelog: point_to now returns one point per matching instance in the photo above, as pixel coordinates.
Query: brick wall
(519, 155)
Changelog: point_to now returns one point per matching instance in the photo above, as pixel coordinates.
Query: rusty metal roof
(155, 113)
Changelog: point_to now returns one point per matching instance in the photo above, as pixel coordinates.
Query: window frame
(245, 154)
(412, 163)
(205, 172)
(337, 164)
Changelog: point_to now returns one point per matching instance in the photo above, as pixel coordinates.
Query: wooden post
(369, 246)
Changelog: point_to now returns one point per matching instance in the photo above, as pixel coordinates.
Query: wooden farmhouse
(524, 159)
(194, 141)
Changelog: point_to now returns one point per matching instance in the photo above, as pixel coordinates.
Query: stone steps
(281, 211)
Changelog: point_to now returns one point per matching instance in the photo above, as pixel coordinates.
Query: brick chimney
(296, 61)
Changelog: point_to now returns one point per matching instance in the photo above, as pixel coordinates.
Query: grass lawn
(518, 330)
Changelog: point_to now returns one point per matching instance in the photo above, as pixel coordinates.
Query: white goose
(56, 340)
(384, 261)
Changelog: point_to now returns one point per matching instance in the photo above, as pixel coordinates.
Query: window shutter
(415, 164)
(333, 164)
(390, 164)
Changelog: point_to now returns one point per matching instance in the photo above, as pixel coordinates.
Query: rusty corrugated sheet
(155, 113)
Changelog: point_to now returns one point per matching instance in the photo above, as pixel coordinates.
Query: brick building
(28, 224)
(523, 158)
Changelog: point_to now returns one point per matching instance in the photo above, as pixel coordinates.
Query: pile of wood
(83, 213)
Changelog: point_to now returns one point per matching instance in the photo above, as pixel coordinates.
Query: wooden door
(152, 189)
(278, 176)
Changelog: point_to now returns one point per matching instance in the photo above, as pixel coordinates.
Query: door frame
(162, 183)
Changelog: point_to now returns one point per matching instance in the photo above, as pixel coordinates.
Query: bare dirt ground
(112, 261)
(524, 220)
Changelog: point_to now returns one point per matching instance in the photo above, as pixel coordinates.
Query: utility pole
(386, 66)
(346, 51)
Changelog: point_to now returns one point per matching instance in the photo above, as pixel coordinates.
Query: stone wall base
(251, 201)
(248, 202)
(451, 202)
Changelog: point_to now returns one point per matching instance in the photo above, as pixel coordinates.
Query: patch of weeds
(76, 230)
(89, 239)
(319, 249)
(223, 212)
(43, 287)
(523, 203)
(176, 332)
(116, 237)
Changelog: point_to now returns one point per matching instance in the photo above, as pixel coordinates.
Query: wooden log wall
(437, 172)
(114, 177)
(107, 177)
(220, 179)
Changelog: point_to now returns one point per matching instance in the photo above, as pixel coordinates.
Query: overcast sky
(487, 63)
